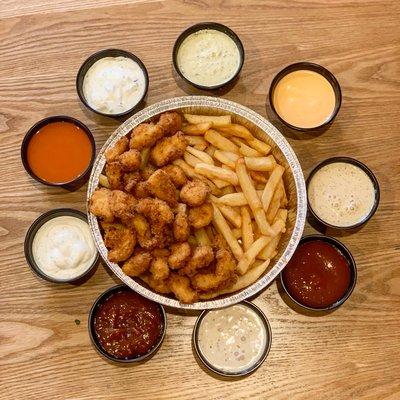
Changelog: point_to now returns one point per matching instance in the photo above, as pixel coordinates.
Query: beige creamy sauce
(63, 247)
(232, 339)
(208, 57)
(304, 99)
(114, 85)
(341, 194)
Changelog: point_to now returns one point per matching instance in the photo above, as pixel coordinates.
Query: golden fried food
(202, 257)
(130, 160)
(145, 135)
(161, 253)
(141, 191)
(168, 149)
(155, 210)
(115, 173)
(120, 147)
(194, 193)
(119, 240)
(170, 122)
(122, 205)
(180, 253)
(180, 286)
(176, 175)
(99, 204)
(147, 171)
(181, 227)
(130, 180)
(224, 275)
(160, 286)
(138, 264)
(160, 186)
(201, 216)
(159, 269)
(148, 236)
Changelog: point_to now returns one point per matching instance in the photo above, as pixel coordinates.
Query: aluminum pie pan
(263, 130)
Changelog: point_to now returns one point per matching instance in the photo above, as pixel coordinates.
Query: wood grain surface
(352, 353)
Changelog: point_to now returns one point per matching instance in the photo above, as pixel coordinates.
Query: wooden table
(352, 353)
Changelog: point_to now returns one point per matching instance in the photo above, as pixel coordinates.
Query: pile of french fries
(248, 193)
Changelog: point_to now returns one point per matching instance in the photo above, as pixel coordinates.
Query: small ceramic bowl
(353, 273)
(312, 67)
(70, 185)
(30, 235)
(96, 57)
(359, 164)
(95, 341)
(251, 368)
(198, 27)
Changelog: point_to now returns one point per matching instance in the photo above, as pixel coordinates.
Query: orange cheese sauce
(59, 152)
(304, 99)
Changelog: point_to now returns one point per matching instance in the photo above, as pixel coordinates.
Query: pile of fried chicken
(148, 214)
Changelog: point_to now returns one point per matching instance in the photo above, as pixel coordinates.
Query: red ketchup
(318, 275)
(127, 325)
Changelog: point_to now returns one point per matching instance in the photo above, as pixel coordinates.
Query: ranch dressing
(208, 57)
(341, 194)
(113, 85)
(232, 339)
(63, 247)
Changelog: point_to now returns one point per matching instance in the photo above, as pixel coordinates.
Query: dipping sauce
(127, 325)
(318, 275)
(63, 248)
(114, 85)
(304, 99)
(341, 194)
(208, 57)
(232, 339)
(59, 152)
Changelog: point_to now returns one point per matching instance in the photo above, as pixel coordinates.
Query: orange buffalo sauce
(59, 152)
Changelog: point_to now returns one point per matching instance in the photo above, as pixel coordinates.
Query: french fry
(237, 199)
(236, 130)
(201, 155)
(252, 198)
(250, 255)
(229, 213)
(228, 190)
(220, 142)
(284, 200)
(191, 159)
(222, 157)
(248, 151)
(202, 237)
(213, 172)
(275, 204)
(210, 150)
(222, 120)
(196, 141)
(260, 163)
(267, 252)
(144, 154)
(247, 228)
(258, 177)
(201, 147)
(196, 129)
(270, 187)
(223, 227)
(103, 181)
(237, 232)
(258, 145)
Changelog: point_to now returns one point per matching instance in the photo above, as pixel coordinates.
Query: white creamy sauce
(341, 194)
(208, 57)
(232, 339)
(113, 85)
(63, 247)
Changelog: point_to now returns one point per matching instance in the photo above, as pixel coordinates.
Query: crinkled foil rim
(263, 124)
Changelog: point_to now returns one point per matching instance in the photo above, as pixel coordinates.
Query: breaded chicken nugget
(145, 135)
(122, 204)
(138, 264)
(180, 227)
(121, 146)
(119, 240)
(161, 253)
(130, 160)
(159, 185)
(201, 216)
(156, 210)
(194, 193)
(168, 149)
(130, 180)
(180, 253)
(99, 204)
(141, 190)
(147, 171)
(170, 122)
(180, 286)
(160, 286)
(115, 173)
(176, 175)
(159, 269)
(202, 257)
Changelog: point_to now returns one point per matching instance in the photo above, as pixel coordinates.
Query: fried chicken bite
(141, 190)
(120, 147)
(201, 216)
(119, 240)
(202, 257)
(176, 175)
(150, 236)
(194, 193)
(224, 275)
(99, 204)
(180, 286)
(161, 253)
(130, 160)
(170, 122)
(145, 135)
(156, 210)
(180, 253)
(122, 204)
(115, 173)
(180, 227)
(159, 185)
(159, 269)
(159, 286)
(168, 149)
(148, 171)
(130, 180)
(138, 264)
